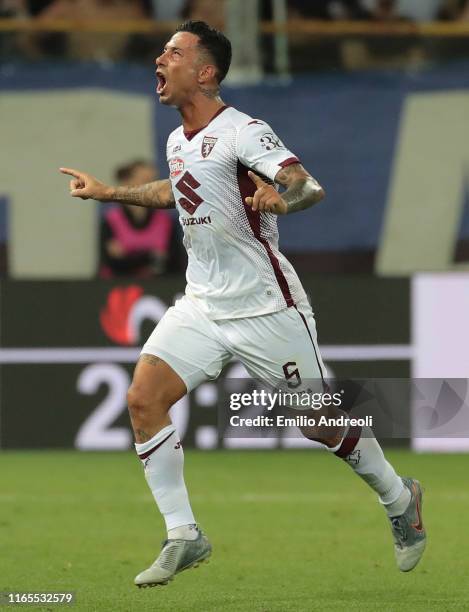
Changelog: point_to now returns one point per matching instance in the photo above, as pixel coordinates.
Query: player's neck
(197, 113)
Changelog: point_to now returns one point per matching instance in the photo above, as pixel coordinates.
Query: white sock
(399, 506)
(163, 460)
(186, 532)
(360, 449)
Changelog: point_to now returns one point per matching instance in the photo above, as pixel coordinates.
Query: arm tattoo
(302, 190)
(152, 195)
(150, 359)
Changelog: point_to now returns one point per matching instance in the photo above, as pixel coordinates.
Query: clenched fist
(86, 186)
(266, 198)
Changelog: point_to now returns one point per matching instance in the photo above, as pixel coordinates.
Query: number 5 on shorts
(292, 374)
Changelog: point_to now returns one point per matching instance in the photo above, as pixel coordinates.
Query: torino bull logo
(207, 145)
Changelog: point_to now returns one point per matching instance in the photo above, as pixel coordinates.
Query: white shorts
(274, 348)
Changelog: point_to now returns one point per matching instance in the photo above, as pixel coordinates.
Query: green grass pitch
(290, 530)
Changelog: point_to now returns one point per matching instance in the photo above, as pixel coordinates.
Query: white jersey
(234, 266)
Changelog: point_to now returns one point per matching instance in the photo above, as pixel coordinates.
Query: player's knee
(138, 401)
(141, 403)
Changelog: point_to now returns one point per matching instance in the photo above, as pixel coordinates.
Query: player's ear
(207, 73)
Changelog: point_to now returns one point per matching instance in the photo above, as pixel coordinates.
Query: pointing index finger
(71, 172)
(256, 179)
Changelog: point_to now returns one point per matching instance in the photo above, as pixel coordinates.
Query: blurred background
(372, 95)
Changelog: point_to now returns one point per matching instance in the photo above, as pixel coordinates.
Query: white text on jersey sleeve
(259, 148)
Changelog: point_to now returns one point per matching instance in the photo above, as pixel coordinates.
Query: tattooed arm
(302, 191)
(152, 195)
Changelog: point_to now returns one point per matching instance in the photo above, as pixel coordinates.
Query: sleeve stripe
(289, 162)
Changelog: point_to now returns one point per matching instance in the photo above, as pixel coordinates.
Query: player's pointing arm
(157, 194)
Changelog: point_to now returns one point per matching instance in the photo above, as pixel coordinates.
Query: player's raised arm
(157, 194)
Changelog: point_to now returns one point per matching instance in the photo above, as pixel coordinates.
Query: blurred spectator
(165, 10)
(96, 9)
(385, 10)
(328, 9)
(36, 6)
(464, 14)
(83, 45)
(211, 11)
(416, 10)
(324, 52)
(135, 241)
(13, 8)
(454, 10)
(379, 10)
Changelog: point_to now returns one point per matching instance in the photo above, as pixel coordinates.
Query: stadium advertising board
(69, 348)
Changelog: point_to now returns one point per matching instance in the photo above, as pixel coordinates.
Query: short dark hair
(125, 172)
(214, 42)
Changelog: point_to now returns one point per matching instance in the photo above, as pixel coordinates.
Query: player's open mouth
(161, 82)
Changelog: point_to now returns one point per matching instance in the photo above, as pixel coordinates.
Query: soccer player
(243, 298)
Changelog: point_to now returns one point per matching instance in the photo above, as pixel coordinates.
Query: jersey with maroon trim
(235, 268)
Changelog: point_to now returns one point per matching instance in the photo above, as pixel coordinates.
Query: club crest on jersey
(207, 145)
(176, 166)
